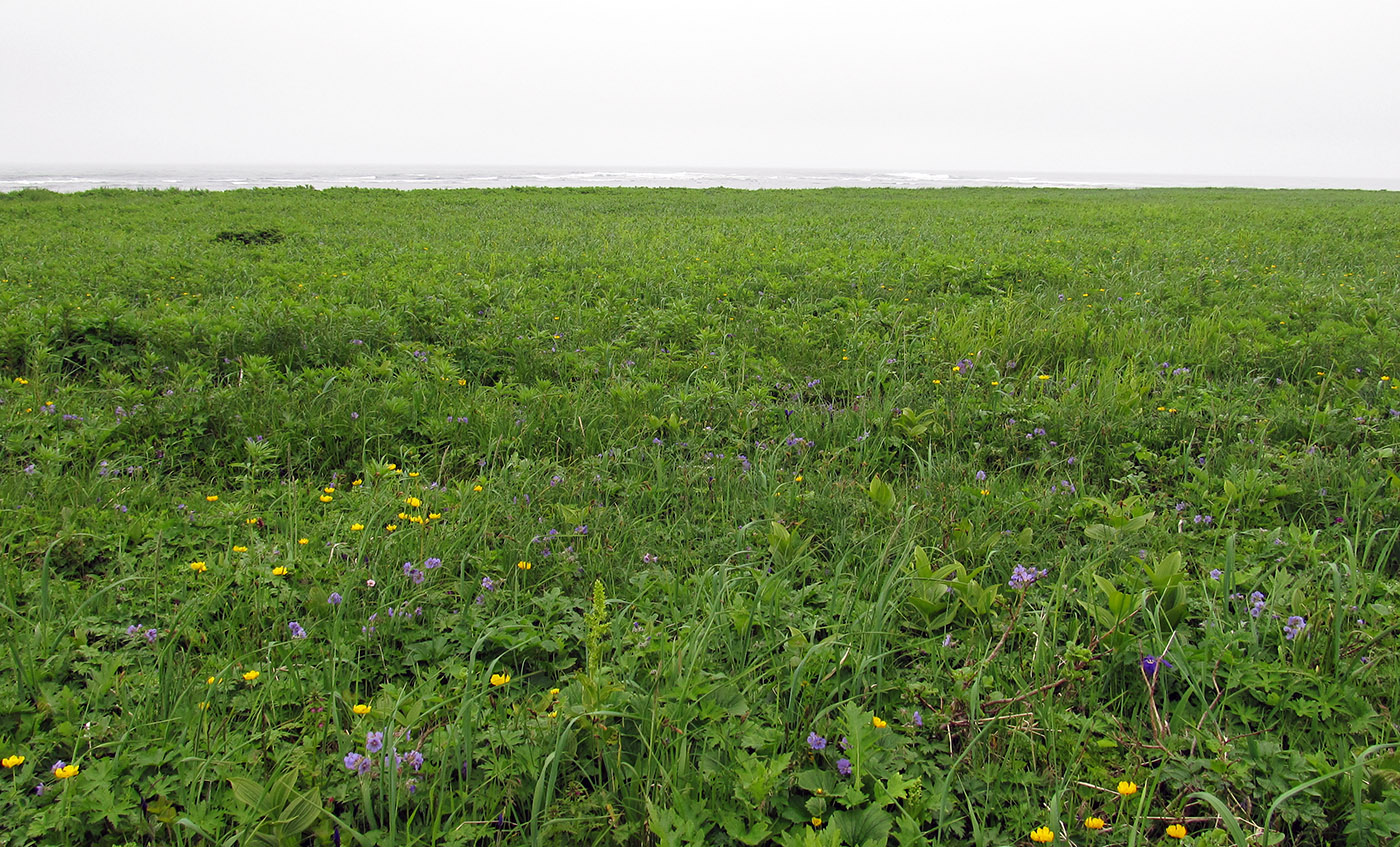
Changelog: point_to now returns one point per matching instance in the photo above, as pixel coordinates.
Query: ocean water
(214, 178)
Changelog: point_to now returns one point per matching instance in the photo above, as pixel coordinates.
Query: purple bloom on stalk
(352, 761)
(335, 598)
(432, 562)
(816, 742)
(1294, 627)
(151, 636)
(844, 766)
(417, 576)
(414, 759)
(1216, 574)
(297, 631)
(1021, 576)
(374, 742)
(487, 584)
(1151, 663)
(918, 719)
(133, 630)
(41, 789)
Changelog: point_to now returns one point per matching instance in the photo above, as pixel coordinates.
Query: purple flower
(1021, 576)
(374, 742)
(844, 766)
(354, 416)
(981, 475)
(1294, 627)
(414, 759)
(152, 635)
(1216, 574)
(487, 584)
(918, 719)
(133, 630)
(335, 598)
(1151, 663)
(1256, 604)
(41, 789)
(816, 742)
(417, 576)
(433, 562)
(352, 761)
(297, 631)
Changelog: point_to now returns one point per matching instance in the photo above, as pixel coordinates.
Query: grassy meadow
(670, 517)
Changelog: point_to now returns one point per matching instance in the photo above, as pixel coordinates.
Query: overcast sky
(1271, 87)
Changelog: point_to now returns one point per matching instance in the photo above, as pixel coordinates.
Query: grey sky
(1224, 87)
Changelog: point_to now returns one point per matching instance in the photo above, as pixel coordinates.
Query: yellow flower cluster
(12, 761)
(1042, 835)
(66, 771)
(198, 567)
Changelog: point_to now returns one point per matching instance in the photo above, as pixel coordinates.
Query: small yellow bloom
(461, 382)
(413, 502)
(938, 382)
(12, 761)
(280, 570)
(66, 771)
(1176, 830)
(360, 709)
(477, 488)
(523, 565)
(251, 675)
(816, 821)
(326, 498)
(212, 498)
(1093, 823)
(251, 521)
(390, 527)
(21, 380)
(403, 516)
(432, 516)
(797, 478)
(357, 482)
(957, 368)
(209, 681)
(303, 541)
(329, 489)
(877, 723)
(238, 548)
(392, 467)
(203, 705)
(985, 492)
(1044, 376)
(412, 474)
(356, 527)
(1042, 835)
(500, 678)
(553, 691)
(1127, 789)
(554, 714)
(198, 567)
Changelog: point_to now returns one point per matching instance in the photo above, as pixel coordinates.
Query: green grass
(773, 459)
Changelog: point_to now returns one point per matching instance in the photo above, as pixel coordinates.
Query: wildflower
(816, 821)
(303, 541)
(329, 489)
(152, 635)
(209, 681)
(239, 549)
(374, 742)
(390, 527)
(198, 567)
(816, 742)
(1043, 376)
(1022, 576)
(360, 709)
(432, 562)
(251, 675)
(918, 719)
(498, 679)
(335, 598)
(326, 498)
(1256, 607)
(1093, 823)
(12, 761)
(1151, 663)
(1216, 574)
(843, 766)
(280, 570)
(1294, 627)
(1127, 789)
(204, 705)
(877, 723)
(353, 760)
(1176, 830)
(414, 759)
(1042, 835)
(212, 498)
(417, 576)
(476, 488)
(980, 475)
(356, 527)
(413, 502)
(62, 771)
(251, 521)
(487, 584)
(523, 565)
(296, 628)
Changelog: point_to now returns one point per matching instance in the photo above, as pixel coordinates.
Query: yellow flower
(461, 382)
(212, 498)
(303, 541)
(477, 488)
(356, 527)
(1176, 830)
(66, 771)
(877, 723)
(403, 516)
(1043, 376)
(280, 570)
(329, 489)
(392, 467)
(198, 567)
(360, 709)
(251, 521)
(500, 678)
(203, 705)
(209, 681)
(432, 516)
(797, 478)
(412, 474)
(237, 548)
(357, 482)
(413, 502)
(390, 527)
(1093, 823)
(553, 691)
(816, 821)
(523, 565)
(1127, 789)
(21, 380)
(326, 498)
(12, 761)
(251, 675)
(1042, 835)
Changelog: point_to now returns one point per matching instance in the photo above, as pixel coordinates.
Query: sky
(1242, 87)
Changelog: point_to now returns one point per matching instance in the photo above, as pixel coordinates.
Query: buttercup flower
(1176, 830)
(63, 771)
(251, 675)
(356, 527)
(1042, 835)
(212, 498)
(1093, 823)
(500, 678)
(280, 570)
(360, 709)
(816, 821)
(12, 761)
(1127, 789)
(198, 567)
(524, 566)
(877, 723)
(238, 548)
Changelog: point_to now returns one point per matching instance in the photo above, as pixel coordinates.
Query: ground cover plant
(961, 517)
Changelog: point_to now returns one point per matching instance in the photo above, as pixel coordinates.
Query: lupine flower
(374, 742)
(816, 742)
(1256, 607)
(487, 584)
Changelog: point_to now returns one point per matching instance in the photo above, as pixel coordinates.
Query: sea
(229, 178)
